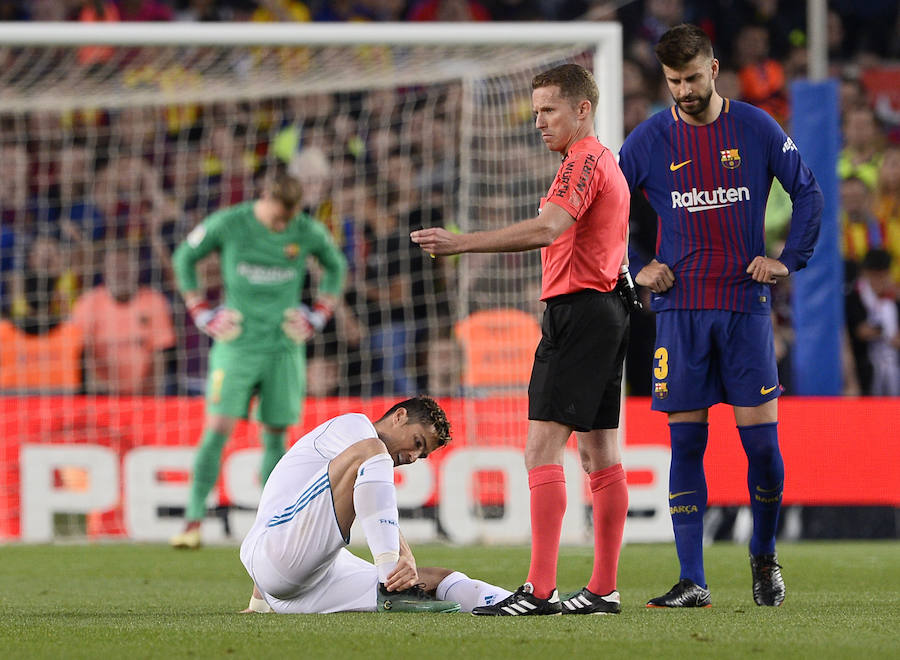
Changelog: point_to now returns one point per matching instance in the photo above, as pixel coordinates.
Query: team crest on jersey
(661, 390)
(731, 159)
(291, 250)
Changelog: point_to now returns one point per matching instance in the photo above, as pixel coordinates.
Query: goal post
(605, 38)
(124, 136)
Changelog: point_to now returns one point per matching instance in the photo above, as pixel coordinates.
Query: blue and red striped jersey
(709, 186)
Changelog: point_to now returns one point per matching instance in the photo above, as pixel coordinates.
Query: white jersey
(307, 457)
(295, 552)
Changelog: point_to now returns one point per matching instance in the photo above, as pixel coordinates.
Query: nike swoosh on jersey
(674, 168)
(672, 496)
(770, 490)
(765, 390)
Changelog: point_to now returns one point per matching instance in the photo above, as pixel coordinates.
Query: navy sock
(687, 496)
(765, 481)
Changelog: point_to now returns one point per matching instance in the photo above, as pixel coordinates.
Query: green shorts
(277, 377)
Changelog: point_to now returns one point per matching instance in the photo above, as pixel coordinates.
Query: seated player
(343, 469)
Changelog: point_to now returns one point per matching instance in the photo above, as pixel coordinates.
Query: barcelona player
(260, 332)
(706, 165)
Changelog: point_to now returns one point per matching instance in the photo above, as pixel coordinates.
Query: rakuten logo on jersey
(706, 200)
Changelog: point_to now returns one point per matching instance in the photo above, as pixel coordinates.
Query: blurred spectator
(405, 294)
(145, 10)
(598, 10)
(97, 11)
(322, 377)
(390, 261)
(270, 11)
(69, 211)
(138, 131)
(126, 328)
(311, 167)
(634, 78)
(728, 84)
(863, 144)
(851, 93)
(871, 310)
(762, 77)
(780, 20)
(360, 10)
(839, 52)
(444, 367)
(52, 10)
(13, 184)
(515, 10)
(636, 108)
(659, 16)
(8, 264)
(229, 165)
(128, 190)
(44, 292)
(796, 63)
(491, 279)
(12, 10)
(40, 349)
(861, 230)
(455, 11)
(204, 11)
(887, 204)
(642, 29)
(870, 26)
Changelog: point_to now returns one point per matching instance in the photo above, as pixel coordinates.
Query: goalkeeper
(260, 331)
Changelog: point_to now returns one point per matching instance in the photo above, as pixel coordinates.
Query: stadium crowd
(73, 185)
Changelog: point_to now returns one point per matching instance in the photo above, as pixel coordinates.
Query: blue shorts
(704, 357)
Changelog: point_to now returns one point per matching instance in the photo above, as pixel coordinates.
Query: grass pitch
(144, 601)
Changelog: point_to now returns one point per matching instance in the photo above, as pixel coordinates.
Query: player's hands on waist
(767, 270)
(437, 240)
(405, 575)
(220, 323)
(302, 322)
(656, 276)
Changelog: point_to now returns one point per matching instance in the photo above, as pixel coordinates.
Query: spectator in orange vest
(762, 78)
(40, 349)
(127, 327)
(97, 11)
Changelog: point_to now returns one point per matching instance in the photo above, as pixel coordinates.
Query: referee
(577, 374)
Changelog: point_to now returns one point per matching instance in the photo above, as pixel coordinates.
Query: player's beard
(700, 107)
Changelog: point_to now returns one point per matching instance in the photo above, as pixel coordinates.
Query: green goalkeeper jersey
(263, 271)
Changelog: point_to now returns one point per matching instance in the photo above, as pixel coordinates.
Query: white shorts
(299, 561)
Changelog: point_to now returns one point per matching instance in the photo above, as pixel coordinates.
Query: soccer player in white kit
(343, 469)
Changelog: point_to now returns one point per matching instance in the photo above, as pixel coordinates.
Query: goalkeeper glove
(626, 290)
(221, 323)
(301, 323)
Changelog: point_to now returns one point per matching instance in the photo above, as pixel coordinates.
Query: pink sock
(548, 505)
(609, 494)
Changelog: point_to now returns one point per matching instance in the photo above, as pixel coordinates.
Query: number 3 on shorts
(661, 370)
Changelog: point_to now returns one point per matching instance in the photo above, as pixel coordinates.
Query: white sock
(469, 593)
(375, 503)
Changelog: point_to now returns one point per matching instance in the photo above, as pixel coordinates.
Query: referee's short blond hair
(574, 81)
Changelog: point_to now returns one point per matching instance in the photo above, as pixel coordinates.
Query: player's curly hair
(425, 410)
(574, 81)
(682, 43)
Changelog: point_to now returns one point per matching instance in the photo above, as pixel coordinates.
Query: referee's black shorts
(577, 375)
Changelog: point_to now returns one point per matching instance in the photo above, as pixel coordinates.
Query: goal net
(117, 140)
